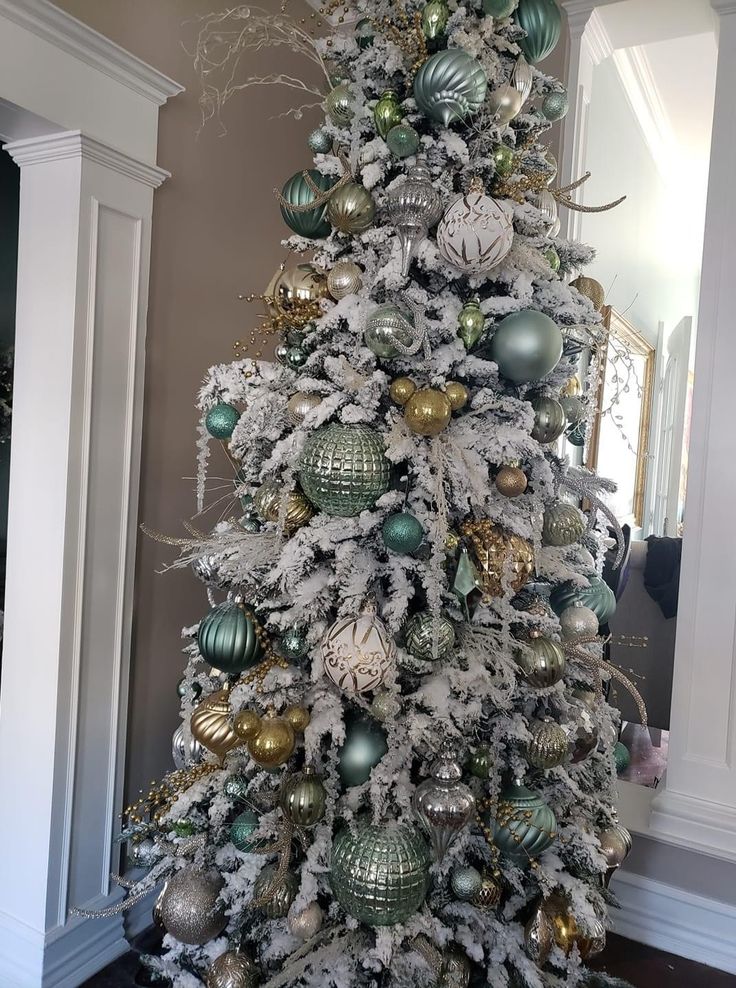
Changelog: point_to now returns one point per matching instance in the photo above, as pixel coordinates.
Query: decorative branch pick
(562, 195)
(575, 651)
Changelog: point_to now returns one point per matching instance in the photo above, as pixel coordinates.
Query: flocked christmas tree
(396, 760)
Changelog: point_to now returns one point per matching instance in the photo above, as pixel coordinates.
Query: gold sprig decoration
(161, 796)
(405, 31)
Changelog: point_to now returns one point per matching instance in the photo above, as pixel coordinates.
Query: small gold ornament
(267, 502)
(271, 740)
(298, 717)
(211, 724)
(505, 560)
(402, 389)
(428, 412)
(591, 289)
(571, 389)
(457, 394)
(511, 481)
(247, 724)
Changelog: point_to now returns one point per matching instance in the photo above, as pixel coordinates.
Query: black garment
(662, 572)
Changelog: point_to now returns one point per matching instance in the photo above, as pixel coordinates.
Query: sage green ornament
(553, 259)
(575, 435)
(320, 142)
(467, 584)
(339, 104)
(390, 331)
(277, 906)
(555, 105)
(450, 86)
(563, 524)
(542, 661)
(304, 799)
(498, 8)
(480, 763)
(598, 596)
(522, 826)
(549, 419)
(542, 21)
(184, 688)
(402, 141)
(296, 358)
(387, 113)
(229, 638)
(622, 757)
(343, 469)
(183, 828)
(351, 208)
(236, 788)
(435, 16)
(364, 33)
(297, 192)
(242, 829)
(548, 745)
(402, 533)
(503, 159)
(465, 883)
(380, 874)
(363, 748)
(293, 644)
(429, 637)
(221, 420)
(471, 323)
(526, 345)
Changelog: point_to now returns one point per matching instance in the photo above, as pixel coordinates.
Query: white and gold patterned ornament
(358, 652)
(476, 232)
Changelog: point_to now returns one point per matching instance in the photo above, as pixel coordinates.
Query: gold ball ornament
(267, 502)
(274, 743)
(212, 725)
(428, 412)
(351, 208)
(345, 278)
(296, 286)
(300, 405)
(298, 717)
(247, 724)
(548, 745)
(511, 481)
(232, 970)
(571, 389)
(457, 394)
(402, 389)
(567, 933)
(592, 290)
(505, 561)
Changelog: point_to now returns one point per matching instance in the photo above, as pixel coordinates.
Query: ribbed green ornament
(402, 533)
(522, 825)
(542, 21)
(542, 662)
(471, 323)
(563, 524)
(221, 420)
(402, 141)
(242, 829)
(304, 799)
(344, 469)
(450, 86)
(380, 874)
(598, 597)
(498, 8)
(311, 222)
(387, 113)
(228, 638)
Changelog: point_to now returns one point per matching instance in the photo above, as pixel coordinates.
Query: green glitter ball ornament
(320, 142)
(344, 469)
(402, 141)
(236, 788)
(183, 828)
(221, 420)
(522, 825)
(402, 533)
(622, 757)
(293, 644)
(555, 106)
(242, 829)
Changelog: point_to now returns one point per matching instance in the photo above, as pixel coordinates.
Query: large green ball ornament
(402, 141)
(622, 757)
(402, 533)
(363, 748)
(555, 106)
(542, 21)
(278, 905)
(380, 874)
(522, 825)
(549, 419)
(503, 159)
(542, 662)
(230, 638)
(563, 524)
(351, 208)
(304, 799)
(526, 345)
(450, 86)
(242, 829)
(364, 33)
(320, 142)
(344, 469)
(339, 104)
(429, 636)
(465, 883)
(311, 222)
(498, 8)
(221, 420)
(598, 597)
(387, 113)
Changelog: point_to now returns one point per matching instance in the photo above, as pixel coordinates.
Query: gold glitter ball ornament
(267, 502)
(247, 724)
(548, 745)
(232, 970)
(457, 394)
(505, 561)
(274, 743)
(591, 289)
(428, 412)
(511, 481)
(211, 724)
(298, 717)
(402, 389)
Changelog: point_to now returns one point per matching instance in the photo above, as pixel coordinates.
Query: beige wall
(216, 232)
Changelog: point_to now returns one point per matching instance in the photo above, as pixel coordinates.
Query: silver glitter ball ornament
(548, 745)
(190, 910)
(429, 636)
(549, 419)
(339, 104)
(185, 749)
(293, 644)
(563, 524)
(345, 278)
(413, 207)
(144, 853)
(306, 923)
(236, 788)
(465, 883)
(443, 804)
(232, 970)
(278, 904)
(300, 405)
(390, 331)
(385, 705)
(320, 142)
(344, 469)
(450, 86)
(351, 208)
(207, 569)
(578, 622)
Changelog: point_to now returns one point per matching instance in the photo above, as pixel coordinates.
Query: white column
(82, 293)
(698, 806)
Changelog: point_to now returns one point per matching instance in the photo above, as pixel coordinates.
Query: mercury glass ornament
(443, 804)
(435, 15)
(190, 910)
(488, 896)
(306, 923)
(598, 596)
(504, 103)
(230, 639)
(402, 141)
(221, 420)
(387, 113)
(242, 829)
(363, 748)
(428, 412)
(351, 208)
(471, 323)
(300, 405)
(232, 970)
(548, 745)
(504, 559)
(592, 290)
(573, 408)
(578, 621)
(304, 798)
(450, 86)
(414, 207)
(293, 644)
(465, 883)
(343, 469)
(503, 159)
(542, 22)
(522, 78)
(339, 104)
(549, 419)
(563, 524)
(345, 278)
(267, 502)
(320, 142)
(380, 874)
(511, 481)
(297, 192)
(390, 331)
(541, 661)
(402, 533)
(280, 902)
(385, 706)
(358, 652)
(547, 205)
(236, 788)
(522, 825)
(476, 232)
(555, 105)
(429, 636)
(185, 749)
(498, 8)
(539, 936)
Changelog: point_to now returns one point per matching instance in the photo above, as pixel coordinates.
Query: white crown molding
(64, 31)
(722, 7)
(74, 144)
(597, 39)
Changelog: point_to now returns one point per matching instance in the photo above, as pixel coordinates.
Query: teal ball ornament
(429, 636)
(242, 829)
(521, 826)
(622, 757)
(293, 644)
(465, 883)
(363, 748)
(184, 688)
(598, 596)
(344, 469)
(312, 223)
(402, 141)
(555, 105)
(402, 533)
(230, 639)
(542, 21)
(450, 86)
(380, 874)
(320, 142)
(575, 435)
(499, 8)
(221, 420)
(296, 358)
(527, 346)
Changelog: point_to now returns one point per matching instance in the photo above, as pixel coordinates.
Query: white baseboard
(679, 922)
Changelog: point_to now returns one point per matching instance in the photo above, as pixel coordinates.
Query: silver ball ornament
(185, 749)
(465, 883)
(578, 622)
(385, 705)
(306, 923)
(232, 970)
(555, 105)
(300, 405)
(190, 910)
(320, 142)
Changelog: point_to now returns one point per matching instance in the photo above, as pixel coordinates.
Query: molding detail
(643, 95)
(693, 822)
(596, 39)
(74, 144)
(67, 33)
(723, 7)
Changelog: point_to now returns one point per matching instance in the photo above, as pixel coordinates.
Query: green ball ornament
(503, 159)
(236, 788)
(344, 469)
(363, 748)
(465, 883)
(221, 420)
(555, 106)
(598, 597)
(380, 874)
(527, 346)
(320, 142)
(522, 826)
(542, 21)
(450, 86)
(622, 757)
(435, 16)
(278, 906)
(480, 763)
(242, 829)
(542, 662)
(402, 533)
(351, 209)
(296, 358)
(229, 638)
(575, 435)
(553, 259)
(573, 408)
(293, 644)
(310, 223)
(498, 8)
(364, 33)
(471, 323)
(186, 689)
(387, 113)
(402, 141)
(549, 419)
(563, 524)
(425, 632)
(304, 799)
(339, 104)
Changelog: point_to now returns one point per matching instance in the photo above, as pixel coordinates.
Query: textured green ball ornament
(548, 745)
(503, 158)
(279, 905)
(320, 142)
(228, 638)
(363, 748)
(402, 141)
(555, 106)
(293, 644)
(236, 788)
(563, 524)
(622, 757)
(465, 883)
(542, 21)
(450, 86)
(498, 8)
(553, 259)
(598, 597)
(480, 763)
(526, 345)
(423, 630)
(311, 223)
(435, 16)
(344, 469)
(351, 208)
(549, 419)
(387, 113)
(471, 323)
(402, 533)
(339, 104)
(542, 662)
(221, 420)
(242, 829)
(380, 874)
(522, 825)
(304, 799)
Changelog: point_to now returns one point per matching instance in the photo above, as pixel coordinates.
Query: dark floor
(642, 967)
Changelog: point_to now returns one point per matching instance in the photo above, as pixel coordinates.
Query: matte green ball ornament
(387, 113)
(242, 829)
(522, 826)
(221, 420)
(499, 8)
(363, 748)
(542, 21)
(622, 757)
(380, 874)
(402, 533)
(563, 524)
(344, 469)
(503, 159)
(598, 596)
(555, 106)
(527, 346)
(450, 86)
(429, 637)
(320, 142)
(435, 16)
(230, 639)
(480, 763)
(304, 799)
(311, 223)
(465, 883)
(471, 323)
(553, 259)
(339, 104)
(549, 419)
(402, 141)
(293, 644)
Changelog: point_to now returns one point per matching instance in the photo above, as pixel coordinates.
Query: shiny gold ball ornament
(428, 412)
(563, 524)
(298, 717)
(457, 394)
(247, 725)
(299, 406)
(232, 970)
(511, 481)
(190, 910)
(351, 208)
(568, 933)
(274, 743)
(358, 652)
(402, 389)
(505, 561)
(541, 660)
(339, 104)
(295, 288)
(592, 290)
(267, 502)
(548, 745)
(571, 388)
(345, 278)
(211, 724)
